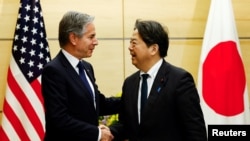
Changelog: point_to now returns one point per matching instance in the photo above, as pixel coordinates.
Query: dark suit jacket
(70, 112)
(172, 111)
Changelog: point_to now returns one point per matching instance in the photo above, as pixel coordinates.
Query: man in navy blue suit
(71, 109)
(171, 109)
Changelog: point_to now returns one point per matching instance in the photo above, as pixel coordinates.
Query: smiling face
(141, 55)
(85, 44)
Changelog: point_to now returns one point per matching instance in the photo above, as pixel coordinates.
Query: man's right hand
(106, 134)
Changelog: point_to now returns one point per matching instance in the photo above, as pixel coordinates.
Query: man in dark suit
(171, 111)
(71, 109)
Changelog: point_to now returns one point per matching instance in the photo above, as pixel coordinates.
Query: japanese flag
(221, 80)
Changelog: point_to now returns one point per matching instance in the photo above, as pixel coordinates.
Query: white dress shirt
(152, 74)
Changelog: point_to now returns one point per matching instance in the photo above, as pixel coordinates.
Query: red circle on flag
(224, 79)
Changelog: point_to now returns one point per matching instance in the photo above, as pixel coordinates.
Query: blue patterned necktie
(83, 77)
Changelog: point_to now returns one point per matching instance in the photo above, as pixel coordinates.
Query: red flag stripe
(3, 136)
(28, 89)
(36, 85)
(20, 113)
(15, 122)
(25, 103)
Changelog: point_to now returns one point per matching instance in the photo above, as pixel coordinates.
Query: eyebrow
(133, 39)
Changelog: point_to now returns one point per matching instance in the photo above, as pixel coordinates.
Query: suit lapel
(131, 96)
(73, 74)
(158, 84)
(161, 79)
(90, 73)
(134, 93)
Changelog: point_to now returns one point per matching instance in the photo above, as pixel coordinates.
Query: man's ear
(72, 38)
(154, 48)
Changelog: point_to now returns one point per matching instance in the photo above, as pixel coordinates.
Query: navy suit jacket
(69, 109)
(171, 113)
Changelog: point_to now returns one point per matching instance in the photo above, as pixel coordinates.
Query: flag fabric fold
(221, 79)
(23, 111)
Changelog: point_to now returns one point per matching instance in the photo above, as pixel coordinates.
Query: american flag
(23, 111)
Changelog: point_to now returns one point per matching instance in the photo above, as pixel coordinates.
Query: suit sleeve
(108, 105)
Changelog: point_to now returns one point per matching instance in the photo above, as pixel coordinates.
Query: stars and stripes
(23, 112)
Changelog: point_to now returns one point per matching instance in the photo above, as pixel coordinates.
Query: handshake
(106, 134)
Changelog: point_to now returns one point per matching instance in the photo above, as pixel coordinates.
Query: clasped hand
(106, 133)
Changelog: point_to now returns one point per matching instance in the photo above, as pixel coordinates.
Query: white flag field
(222, 81)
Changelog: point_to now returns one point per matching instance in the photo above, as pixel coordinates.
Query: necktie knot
(144, 76)
(80, 66)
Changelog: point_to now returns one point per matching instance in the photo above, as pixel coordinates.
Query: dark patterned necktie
(144, 90)
(83, 77)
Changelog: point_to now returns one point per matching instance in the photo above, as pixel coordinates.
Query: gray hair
(75, 22)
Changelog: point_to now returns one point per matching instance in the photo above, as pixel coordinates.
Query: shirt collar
(153, 70)
(72, 60)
